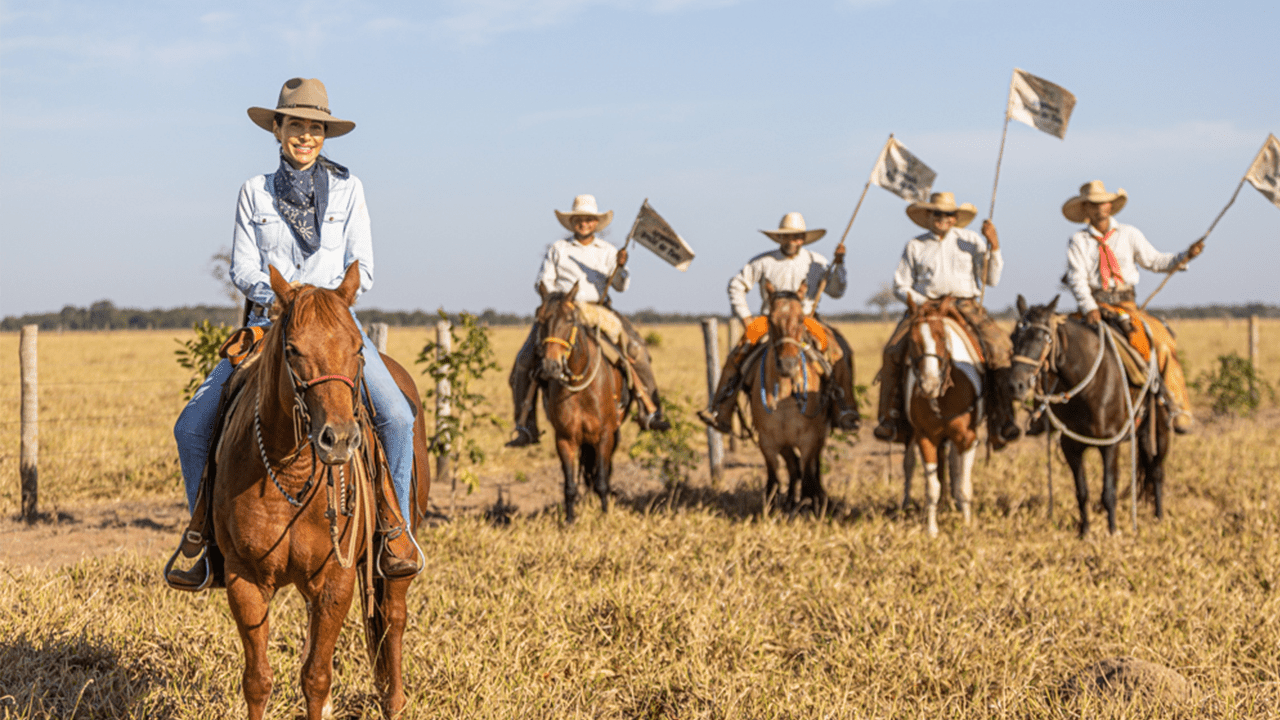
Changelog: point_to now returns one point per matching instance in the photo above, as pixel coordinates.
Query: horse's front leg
(386, 640)
(328, 600)
(811, 466)
(795, 473)
(1074, 453)
(1110, 470)
(932, 487)
(769, 450)
(250, 607)
(568, 451)
(604, 468)
(962, 479)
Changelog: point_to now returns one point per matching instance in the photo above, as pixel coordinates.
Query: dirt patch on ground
(69, 535)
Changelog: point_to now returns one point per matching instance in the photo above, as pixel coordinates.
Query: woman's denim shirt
(263, 238)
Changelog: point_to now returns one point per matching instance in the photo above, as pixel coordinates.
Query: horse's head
(318, 347)
(927, 349)
(786, 326)
(1032, 345)
(557, 320)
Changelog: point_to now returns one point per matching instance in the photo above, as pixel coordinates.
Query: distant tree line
(104, 315)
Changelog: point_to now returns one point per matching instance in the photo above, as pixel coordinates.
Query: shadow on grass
(75, 677)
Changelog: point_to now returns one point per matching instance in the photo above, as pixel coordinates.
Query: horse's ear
(543, 292)
(350, 283)
(279, 285)
(804, 289)
(1054, 302)
(1022, 305)
(769, 289)
(573, 292)
(911, 305)
(947, 304)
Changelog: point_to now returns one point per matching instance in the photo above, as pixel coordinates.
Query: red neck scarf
(1108, 265)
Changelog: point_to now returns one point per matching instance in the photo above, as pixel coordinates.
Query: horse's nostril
(327, 438)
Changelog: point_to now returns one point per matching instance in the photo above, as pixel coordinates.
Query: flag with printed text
(1264, 173)
(1040, 103)
(902, 173)
(651, 231)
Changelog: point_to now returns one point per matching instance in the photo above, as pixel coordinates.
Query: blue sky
(124, 139)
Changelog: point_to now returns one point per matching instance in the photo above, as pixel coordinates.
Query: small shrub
(200, 354)
(671, 453)
(1235, 388)
(653, 339)
(471, 358)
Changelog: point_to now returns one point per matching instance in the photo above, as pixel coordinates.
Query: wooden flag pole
(986, 255)
(604, 299)
(1184, 262)
(822, 284)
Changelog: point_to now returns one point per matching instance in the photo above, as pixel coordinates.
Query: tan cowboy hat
(1094, 192)
(944, 202)
(304, 98)
(792, 224)
(585, 205)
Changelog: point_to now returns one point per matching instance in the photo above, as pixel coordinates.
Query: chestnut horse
(586, 399)
(295, 499)
(943, 391)
(788, 410)
(1076, 368)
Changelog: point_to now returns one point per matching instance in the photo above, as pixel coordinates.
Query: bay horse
(943, 392)
(586, 399)
(788, 409)
(1078, 379)
(295, 498)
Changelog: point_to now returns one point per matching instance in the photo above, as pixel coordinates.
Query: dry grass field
(685, 606)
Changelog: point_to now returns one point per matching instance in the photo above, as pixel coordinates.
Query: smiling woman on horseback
(309, 220)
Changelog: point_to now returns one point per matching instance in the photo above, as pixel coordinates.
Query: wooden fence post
(715, 447)
(378, 334)
(735, 336)
(28, 468)
(444, 409)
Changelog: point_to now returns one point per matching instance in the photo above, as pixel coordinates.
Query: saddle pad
(758, 328)
(242, 344)
(1135, 365)
(970, 343)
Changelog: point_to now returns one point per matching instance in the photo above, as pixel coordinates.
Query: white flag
(1264, 174)
(1039, 103)
(651, 231)
(902, 173)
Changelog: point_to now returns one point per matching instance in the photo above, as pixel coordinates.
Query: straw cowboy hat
(1094, 192)
(585, 205)
(793, 224)
(919, 212)
(304, 98)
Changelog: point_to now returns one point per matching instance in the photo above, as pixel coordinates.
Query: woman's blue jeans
(393, 423)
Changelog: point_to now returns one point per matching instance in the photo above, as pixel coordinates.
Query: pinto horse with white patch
(944, 400)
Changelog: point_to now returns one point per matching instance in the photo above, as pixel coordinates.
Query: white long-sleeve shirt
(786, 274)
(1131, 249)
(569, 261)
(931, 268)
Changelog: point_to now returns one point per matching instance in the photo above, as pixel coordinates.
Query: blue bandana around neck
(301, 197)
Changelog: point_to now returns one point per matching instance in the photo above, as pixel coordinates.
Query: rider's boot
(844, 407)
(524, 389)
(206, 572)
(719, 415)
(890, 428)
(398, 554)
(656, 420)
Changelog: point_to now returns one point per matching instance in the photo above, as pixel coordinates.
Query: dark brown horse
(1077, 378)
(586, 398)
(944, 385)
(788, 410)
(295, 501)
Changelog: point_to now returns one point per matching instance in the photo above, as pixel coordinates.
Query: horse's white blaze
(930, 370)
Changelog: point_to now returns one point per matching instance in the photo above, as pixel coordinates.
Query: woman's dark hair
(279, 118)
